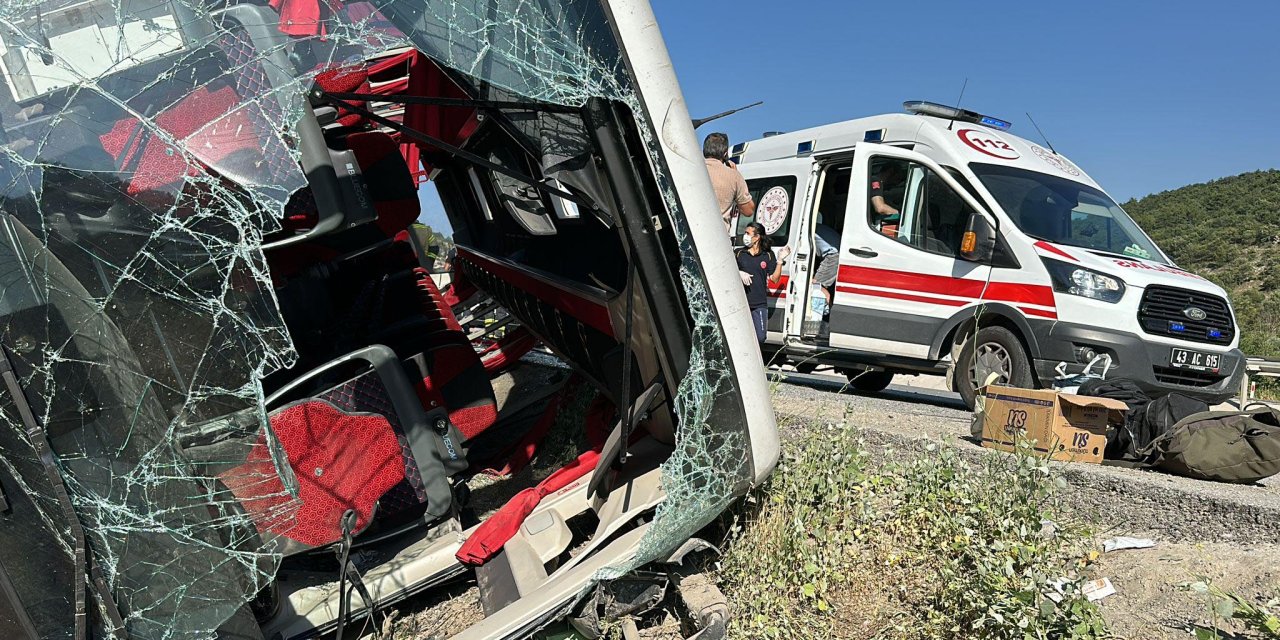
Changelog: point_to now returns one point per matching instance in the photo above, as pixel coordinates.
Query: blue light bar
(954, 113)
(874, 135)
(1177, 326)
(994, 122)
(804, 147)
(1215, 333)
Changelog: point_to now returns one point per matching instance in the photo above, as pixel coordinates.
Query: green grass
(1261, 618)
(836, 546)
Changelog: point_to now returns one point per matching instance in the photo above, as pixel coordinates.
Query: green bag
(1226, 446)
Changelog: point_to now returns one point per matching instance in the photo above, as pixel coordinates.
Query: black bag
(1226, 446)
(1160, 415)
(1122, 389)
(1121, 443)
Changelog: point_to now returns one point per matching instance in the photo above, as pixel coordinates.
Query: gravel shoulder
(1125, 501)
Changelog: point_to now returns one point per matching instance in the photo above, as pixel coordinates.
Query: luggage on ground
(1121, 441)
(1225, 446)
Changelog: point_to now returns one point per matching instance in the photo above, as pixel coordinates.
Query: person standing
(729, 185)
(759, 268)
(826, 243)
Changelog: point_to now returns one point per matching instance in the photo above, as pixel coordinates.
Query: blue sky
(1145, 96)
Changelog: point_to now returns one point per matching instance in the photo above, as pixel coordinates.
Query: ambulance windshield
(1066, 212)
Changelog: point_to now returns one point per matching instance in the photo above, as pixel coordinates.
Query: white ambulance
(966, 251)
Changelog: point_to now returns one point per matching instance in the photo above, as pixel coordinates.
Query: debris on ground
(1120, 543)
(1095, 590)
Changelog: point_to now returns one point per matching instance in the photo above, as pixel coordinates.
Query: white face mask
(746, 239)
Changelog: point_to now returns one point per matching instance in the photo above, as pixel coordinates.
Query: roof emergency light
(920, 107)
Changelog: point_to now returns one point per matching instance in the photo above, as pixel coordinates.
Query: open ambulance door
(902, 277)
(783, 193)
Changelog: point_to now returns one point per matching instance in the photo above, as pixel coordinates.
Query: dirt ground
(1151, 602)
(439, 616)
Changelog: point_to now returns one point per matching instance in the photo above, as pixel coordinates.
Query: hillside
(1226, 230)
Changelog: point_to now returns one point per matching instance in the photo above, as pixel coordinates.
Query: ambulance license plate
(1187, 359)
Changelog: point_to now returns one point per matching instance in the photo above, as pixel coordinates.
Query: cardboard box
(1063, 425)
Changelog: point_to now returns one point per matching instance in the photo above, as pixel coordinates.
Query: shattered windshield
(149, 149)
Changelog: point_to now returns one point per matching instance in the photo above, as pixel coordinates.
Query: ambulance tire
(998, 351)
(870, 381)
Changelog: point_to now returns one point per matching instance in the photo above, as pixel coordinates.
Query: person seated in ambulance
(887, 188)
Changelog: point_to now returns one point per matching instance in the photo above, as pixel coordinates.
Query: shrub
(835, 546)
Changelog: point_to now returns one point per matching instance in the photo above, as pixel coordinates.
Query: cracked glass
(148, 150)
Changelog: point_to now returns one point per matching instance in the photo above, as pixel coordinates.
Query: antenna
(1042, 136)
(958, 101)
(698, 122)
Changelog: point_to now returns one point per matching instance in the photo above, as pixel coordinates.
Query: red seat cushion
(202, 122)
(507, 350)
(455, 379)
(342, 462)
(353, 79)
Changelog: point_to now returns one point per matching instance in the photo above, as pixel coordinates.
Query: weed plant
(836, 546)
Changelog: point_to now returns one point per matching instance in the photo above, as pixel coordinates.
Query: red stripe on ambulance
(920, 283)
(900, 296)
(1041, 244)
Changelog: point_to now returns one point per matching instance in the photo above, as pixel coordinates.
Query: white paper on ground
(1125, 542)
(1096, 590)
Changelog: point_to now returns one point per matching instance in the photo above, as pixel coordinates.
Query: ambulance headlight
(1079, 281)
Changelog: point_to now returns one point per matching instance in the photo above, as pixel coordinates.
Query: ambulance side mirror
(979, 241)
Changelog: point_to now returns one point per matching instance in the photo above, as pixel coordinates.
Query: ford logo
(1195, 313)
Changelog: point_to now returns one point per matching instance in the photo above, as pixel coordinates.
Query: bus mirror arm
(979, 241)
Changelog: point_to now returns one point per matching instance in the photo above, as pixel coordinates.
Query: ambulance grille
(1187, 377)
(1163, 312)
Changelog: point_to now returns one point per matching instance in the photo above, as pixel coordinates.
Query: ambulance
(969, 252)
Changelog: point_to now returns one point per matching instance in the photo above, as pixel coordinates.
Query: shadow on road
(902, 393)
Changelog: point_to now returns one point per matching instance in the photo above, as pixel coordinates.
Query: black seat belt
(349, 576)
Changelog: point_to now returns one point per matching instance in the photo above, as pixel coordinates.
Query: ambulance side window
(913, 205)
(775, 199)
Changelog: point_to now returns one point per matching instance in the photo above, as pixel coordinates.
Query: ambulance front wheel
(994, 356)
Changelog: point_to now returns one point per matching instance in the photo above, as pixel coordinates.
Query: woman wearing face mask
(756, 265)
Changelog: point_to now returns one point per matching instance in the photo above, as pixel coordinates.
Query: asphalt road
(905, 417)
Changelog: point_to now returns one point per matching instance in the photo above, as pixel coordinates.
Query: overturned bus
(236, 403)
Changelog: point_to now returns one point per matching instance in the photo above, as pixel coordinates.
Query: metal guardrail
(1256, 368)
